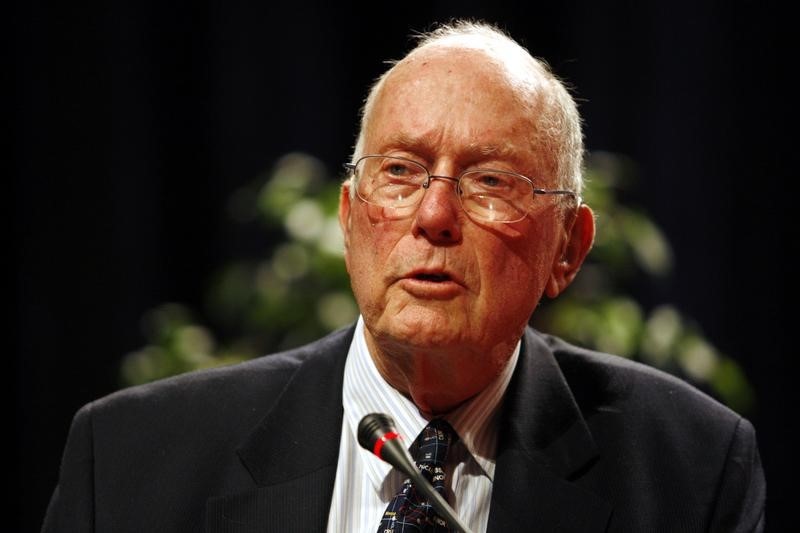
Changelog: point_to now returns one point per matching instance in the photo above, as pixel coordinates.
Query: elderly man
(461, 210)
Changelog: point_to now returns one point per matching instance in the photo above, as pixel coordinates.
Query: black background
(133, 122)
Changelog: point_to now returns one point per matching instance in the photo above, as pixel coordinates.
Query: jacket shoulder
(602, 381)
(232, 396)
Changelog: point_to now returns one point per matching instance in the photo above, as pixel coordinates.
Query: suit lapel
(544, 446)
(292, 453)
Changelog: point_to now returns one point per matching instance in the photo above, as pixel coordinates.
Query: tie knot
(434, 441)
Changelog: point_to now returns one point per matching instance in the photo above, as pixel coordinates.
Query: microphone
(377, 434)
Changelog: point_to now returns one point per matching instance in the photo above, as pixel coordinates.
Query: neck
(437, 380)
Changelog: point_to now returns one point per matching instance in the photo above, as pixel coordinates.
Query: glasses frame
(351, 170)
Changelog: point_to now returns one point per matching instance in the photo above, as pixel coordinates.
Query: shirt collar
(476, 421)
(365, 391)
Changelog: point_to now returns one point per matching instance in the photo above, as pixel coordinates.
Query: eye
(397, 169)
(493, 180)
(488, 180)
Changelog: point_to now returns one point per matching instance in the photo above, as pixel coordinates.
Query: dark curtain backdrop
(133, 122)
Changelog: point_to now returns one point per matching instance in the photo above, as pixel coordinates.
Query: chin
(423, 329)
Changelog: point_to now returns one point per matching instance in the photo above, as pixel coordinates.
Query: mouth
(432, 284)
(433, 275)
(436, 277)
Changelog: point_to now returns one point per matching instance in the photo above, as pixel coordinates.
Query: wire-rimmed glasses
(398, 184)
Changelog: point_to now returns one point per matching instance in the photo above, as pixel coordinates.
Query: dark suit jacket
(588, 442)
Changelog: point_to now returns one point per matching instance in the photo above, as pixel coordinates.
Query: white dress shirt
(365, 485)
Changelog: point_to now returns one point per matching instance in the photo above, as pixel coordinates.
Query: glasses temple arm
(559, 191)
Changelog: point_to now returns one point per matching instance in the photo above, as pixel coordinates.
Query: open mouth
(432, 277)
(432, 285)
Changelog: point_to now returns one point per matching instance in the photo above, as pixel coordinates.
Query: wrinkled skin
(444, 298)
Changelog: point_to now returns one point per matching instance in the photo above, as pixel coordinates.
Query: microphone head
(372, 427)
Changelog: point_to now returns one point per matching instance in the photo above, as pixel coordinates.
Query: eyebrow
(425, 145)
(503, 151)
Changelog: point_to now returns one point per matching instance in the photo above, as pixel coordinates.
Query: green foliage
(300, 291)
(597, 311)
(297, 292)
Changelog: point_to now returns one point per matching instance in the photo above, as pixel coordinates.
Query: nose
(439, 215)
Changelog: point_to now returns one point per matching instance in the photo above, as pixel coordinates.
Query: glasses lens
(495, 195)
(390, 181)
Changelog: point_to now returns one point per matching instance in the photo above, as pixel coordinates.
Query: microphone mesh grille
(372, 427)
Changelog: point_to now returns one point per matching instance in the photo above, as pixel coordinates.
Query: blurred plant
(300, 290)
(297, 292)
(597, 311)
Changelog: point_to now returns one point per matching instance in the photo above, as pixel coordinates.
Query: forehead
(449, 97)
(465, 75)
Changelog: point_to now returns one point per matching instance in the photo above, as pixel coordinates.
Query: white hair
(557, 129)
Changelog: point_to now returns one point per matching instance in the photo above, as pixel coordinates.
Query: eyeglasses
(398, 184)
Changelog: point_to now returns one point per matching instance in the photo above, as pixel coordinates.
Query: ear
(344, 219)
(579, 239)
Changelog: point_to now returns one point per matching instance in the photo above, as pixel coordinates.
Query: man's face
(437, 290)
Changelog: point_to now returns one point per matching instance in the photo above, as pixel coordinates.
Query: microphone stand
(376, 434)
